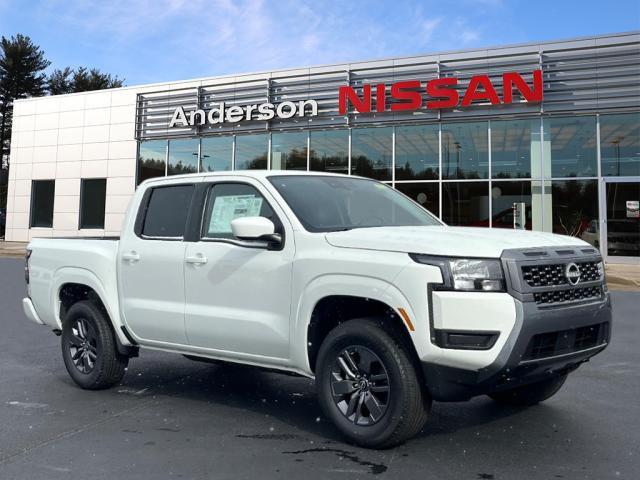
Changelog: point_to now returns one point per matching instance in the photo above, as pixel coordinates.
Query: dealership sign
(407, 95)
(236, 113)
(441, 93)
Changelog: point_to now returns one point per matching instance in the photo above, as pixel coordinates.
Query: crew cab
(338, 278)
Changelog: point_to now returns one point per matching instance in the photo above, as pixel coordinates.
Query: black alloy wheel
(360, 385)
(83, 345)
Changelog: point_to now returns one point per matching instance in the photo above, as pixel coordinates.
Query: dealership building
(551, 127)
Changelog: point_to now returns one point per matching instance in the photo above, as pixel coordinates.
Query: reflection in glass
(512, 142)
(216, 153)
(620, 144)
(371, 152)
(505, 194)
(417, 152)
(289, 151)
(574, 209)
(465, 203)
(623, 219)
(426, 194)
(329, 151)
(251, 152)
(465, 150)
(183, 156)
(573, 146)
(151, 159)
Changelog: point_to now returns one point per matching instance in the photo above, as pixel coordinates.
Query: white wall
(67, 138)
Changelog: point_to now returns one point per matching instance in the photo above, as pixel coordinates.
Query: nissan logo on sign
(572, 272)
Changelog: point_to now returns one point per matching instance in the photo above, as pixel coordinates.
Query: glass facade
(183, 156)
(216, 154)
(289, 151)
(329, 151)
(467, 173)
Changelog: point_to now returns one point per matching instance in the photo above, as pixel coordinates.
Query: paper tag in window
(226, 209)
(633, 209)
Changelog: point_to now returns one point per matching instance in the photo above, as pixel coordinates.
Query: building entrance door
(621, 226)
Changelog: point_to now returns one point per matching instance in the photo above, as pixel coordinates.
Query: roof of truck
(247, 173)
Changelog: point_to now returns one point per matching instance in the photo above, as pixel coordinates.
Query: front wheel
(368, 385)
(527, 395)
(89, 348)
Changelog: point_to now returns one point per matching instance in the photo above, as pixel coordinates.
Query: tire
(89, 348)
(531, 394)
(377, 401)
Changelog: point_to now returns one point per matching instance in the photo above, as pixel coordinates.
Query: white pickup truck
(339, 278)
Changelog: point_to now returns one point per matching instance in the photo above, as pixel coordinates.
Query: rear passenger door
(151, 263)
(238, 293)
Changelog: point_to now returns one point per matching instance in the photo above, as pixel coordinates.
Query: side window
(167, 211)
(228, 201)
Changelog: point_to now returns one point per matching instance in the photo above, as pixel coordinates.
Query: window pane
(92, 197)
(465, 150)
(623, 220)
(251, 152)
(42, 194)
(167, 211)
(426, 194)
(289, 151)
(151, 159)
(573, 146)
(216, 153)
(574, 209)
(465, 203)
(183, 156)
(371, 152)
(620, 144)
(330, 151)
(417, 152)
(512, 144)
(227, 202)
(505, 194)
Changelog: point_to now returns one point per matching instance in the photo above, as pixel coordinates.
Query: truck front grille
(567, 295)
(562, 342)
(546, 275)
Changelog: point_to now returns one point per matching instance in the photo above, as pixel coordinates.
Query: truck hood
(447, 241)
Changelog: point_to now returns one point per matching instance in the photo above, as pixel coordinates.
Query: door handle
(131, 257)
(197, 259)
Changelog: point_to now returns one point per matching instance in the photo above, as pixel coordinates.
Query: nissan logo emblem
(572, 272)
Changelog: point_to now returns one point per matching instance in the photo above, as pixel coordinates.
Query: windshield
(330, 204)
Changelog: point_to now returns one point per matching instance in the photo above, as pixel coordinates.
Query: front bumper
(545, 341)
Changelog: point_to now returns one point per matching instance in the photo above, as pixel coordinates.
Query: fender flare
(373, 288)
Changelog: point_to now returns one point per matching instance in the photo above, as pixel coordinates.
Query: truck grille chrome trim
(544, 275)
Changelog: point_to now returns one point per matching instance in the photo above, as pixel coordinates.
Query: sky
(147, 41)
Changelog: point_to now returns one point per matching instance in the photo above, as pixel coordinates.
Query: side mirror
(255, 228)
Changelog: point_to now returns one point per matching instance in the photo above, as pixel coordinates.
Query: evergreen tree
(80, 80)
(22, 65)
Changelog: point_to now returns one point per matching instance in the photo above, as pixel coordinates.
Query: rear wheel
(368, 385)
(531, 394)
(89, 348)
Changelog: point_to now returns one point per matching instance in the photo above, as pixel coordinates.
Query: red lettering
(348, 94)
(449, 95)
(513, 79)
(488, 93)
(406, 92)
(381, 97)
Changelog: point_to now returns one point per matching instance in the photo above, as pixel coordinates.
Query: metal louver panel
(586, 75)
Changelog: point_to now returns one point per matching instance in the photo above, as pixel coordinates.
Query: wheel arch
(334, 299)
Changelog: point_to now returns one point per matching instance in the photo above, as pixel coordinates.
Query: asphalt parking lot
(173, 418)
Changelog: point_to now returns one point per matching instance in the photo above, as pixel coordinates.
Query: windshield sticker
(226, 209)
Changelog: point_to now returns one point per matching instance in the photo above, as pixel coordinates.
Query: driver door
(238, 293)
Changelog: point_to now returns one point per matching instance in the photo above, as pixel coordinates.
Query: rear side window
(167, 211)
(228, 201)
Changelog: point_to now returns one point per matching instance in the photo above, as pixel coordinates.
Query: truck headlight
(467, 274)
(471, 274)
